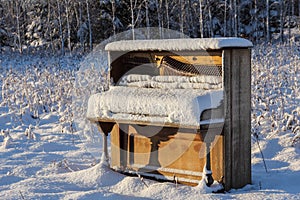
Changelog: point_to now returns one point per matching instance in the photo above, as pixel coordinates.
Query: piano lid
(185, 44)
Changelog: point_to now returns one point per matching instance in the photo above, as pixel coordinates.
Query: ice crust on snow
(155, 105)
(186, 44)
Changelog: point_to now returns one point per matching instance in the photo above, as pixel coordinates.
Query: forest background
(61, 26)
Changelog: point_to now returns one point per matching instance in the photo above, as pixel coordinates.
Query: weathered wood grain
(237, 135)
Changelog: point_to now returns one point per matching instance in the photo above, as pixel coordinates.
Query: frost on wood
(173, 44)
(202, 185)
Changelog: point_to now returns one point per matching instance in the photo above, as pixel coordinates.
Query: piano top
(184, 44)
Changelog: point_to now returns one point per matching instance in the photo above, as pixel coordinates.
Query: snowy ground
(42, 157)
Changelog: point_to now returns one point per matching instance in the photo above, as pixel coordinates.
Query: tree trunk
(281, 20)
(49, 26)
(82, 41)
(113, 9)
(230, 17)
(268, 20)
(255, 21)
(211, 30)
(90, 25)
(147, 19)
(181, 15)
(289, 6)
(235, 18)
(68, 25)
(161, 19)
(201, 19)
(167, 14)
(18, 13)
(298, 8)
(132, 19)
(158, 9)
(292, 8)
(225, 18)
(60, 28)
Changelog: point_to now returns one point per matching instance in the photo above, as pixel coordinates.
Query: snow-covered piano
(177, 108)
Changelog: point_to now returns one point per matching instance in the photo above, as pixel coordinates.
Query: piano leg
(153, 160)
(123, 139)
(105, 128)
(105, 151)
(131, 149)
(209, 177)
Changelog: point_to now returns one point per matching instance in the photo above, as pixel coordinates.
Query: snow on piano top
(186, 44)
(158, 106)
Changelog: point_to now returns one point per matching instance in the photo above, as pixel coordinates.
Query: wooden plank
(242, 135)
(217, 158)
(141, 150)
(245, 117)
(194, 59)
(115, 146)
(227, 86)
(165, 124)
(186, 161)
(237, 133)
(236, 119)
(123, 141)
(131, 148)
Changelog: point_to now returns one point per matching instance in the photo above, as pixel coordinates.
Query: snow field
(43, 156)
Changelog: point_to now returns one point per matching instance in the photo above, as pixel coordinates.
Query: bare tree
(167, 14)
(201, 19)
(211, 31)
(48, 30)
(80, 13)
(235, 18)
(225, 18)
(182, 4)
(67, 2)
(113, 9)
(268, 20)
(132, 19)
(159, 16)
(161, 19)
(147, 18)
(292, 7)
(289, 7)
(18, 13)
(90, 25)
(230, 22)
(133, 7)
(60, 28)
(255, 21)
(298, 8)
(83, 31)
(281, 19)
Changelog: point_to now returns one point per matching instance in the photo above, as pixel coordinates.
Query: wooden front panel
(181, 155)
(115, 147)
(217, 158)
